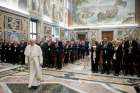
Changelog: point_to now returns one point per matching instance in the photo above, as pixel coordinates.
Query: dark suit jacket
(119, 53)
(107, 52)
(134, 46)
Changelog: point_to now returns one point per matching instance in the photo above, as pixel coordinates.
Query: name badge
(105, 51)
(114, 56)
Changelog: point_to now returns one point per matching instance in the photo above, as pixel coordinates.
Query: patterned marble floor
(76, 76)
(5, 65)
(81, 85)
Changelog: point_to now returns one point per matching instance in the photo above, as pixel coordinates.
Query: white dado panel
(117, 33)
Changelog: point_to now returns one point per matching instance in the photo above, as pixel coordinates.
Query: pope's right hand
(26, 60)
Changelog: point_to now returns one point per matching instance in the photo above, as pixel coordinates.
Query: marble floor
(73, 78)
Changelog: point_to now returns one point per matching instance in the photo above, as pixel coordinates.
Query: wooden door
(107, 34)
(82, 36)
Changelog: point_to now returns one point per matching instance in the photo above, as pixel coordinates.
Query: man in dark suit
(44, 47)
(79, 50)
(4, 48)
(60, 55)
(87, 47)
(107, 56)
(22, 47)
(15, 53)
(0, 51)
(117, 57)
(9, 52)
(67, 52)
(49, 52)
(83, 50)
(53, 54)
(72, 52)
(138, 58)
(130, 49)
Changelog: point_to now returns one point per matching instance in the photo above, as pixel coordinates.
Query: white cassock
(33, 56)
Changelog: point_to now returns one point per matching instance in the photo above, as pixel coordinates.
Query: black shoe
(137, 88)
(34, 87)
(102, 72)
(125, 74)
(116, 74)
(96, 71)
(108, 73)
(131, 74)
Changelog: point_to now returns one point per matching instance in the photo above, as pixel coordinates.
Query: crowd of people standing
(106, 56)
(116, 56)
(56, 54)
(59, 53)
(12, 52)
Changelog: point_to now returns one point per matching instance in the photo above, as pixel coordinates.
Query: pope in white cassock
(33, 57)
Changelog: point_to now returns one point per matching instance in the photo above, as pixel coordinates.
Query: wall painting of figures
(98, 12)
(47, 8)
(35, 6)
(23, 4)
(47, 30)
(13, 23)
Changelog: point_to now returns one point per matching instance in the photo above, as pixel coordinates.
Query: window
(33, 29)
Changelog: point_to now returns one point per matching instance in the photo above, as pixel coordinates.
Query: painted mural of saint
(47, 8)
(35, 5)
(22, 4)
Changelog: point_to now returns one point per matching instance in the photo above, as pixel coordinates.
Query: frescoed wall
(56, 31)
(118, 33)
(1, 36)
(13, 27)
(15, 4)
(55, 10)
(1, 21)
(47, 30)
(35, 5)
(23, 4)
(97, 12)
(47, 8)
(137, 33)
